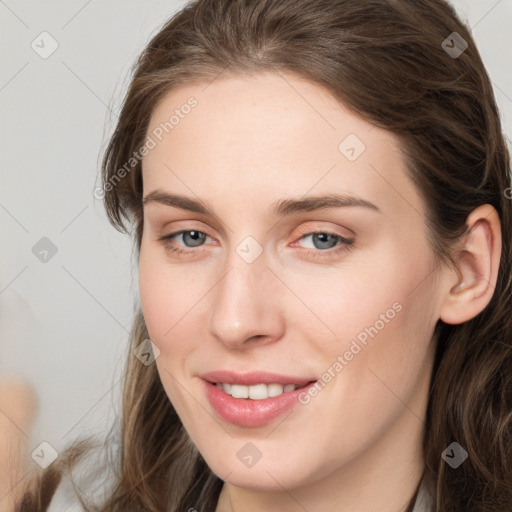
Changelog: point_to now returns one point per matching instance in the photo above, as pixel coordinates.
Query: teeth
(238, 391)
(256, 392)
(275, 389)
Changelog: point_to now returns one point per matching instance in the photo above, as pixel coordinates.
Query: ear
(471, 285)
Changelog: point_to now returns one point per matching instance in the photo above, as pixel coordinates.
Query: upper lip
(253, 378)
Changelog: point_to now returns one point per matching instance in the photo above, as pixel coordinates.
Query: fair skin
(18, 406)
(250, 142)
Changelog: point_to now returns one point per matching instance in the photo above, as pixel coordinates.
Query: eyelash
(346, 243)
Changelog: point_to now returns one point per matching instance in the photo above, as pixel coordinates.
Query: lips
(253, 399)
(253, 378)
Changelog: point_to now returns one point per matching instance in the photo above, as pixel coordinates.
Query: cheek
(375, 374)
(168, 295)
(381, 319)
(390, 350)
(379, 294)
(164, 304)
(154, 302)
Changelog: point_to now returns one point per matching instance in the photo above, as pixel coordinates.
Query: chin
(272, 474)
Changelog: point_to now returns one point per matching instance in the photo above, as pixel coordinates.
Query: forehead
(266, 134)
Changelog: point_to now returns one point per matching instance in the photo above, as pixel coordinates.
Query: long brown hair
(386, 60)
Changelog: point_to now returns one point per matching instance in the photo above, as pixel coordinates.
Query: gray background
(64, 322)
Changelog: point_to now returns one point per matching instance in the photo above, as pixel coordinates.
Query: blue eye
(194, 237)
(324, 243)
(324, 240)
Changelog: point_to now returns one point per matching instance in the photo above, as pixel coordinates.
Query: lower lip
(251, 413)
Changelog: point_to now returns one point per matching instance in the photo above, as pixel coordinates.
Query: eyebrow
(279, 208)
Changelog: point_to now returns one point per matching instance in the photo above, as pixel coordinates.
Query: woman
(318, 192)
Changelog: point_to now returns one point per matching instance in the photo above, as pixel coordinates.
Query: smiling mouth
(258, 391)
(254, 399)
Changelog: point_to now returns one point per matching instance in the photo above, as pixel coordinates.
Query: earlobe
(471, 284)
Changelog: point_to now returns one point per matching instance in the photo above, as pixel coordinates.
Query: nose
(246, 305)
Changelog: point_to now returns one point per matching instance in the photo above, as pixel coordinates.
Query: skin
(251, 141)
(18, 406)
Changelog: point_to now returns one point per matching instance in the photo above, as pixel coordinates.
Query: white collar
(425, 501)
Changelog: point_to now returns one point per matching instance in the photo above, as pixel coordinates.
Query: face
(284, 246)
